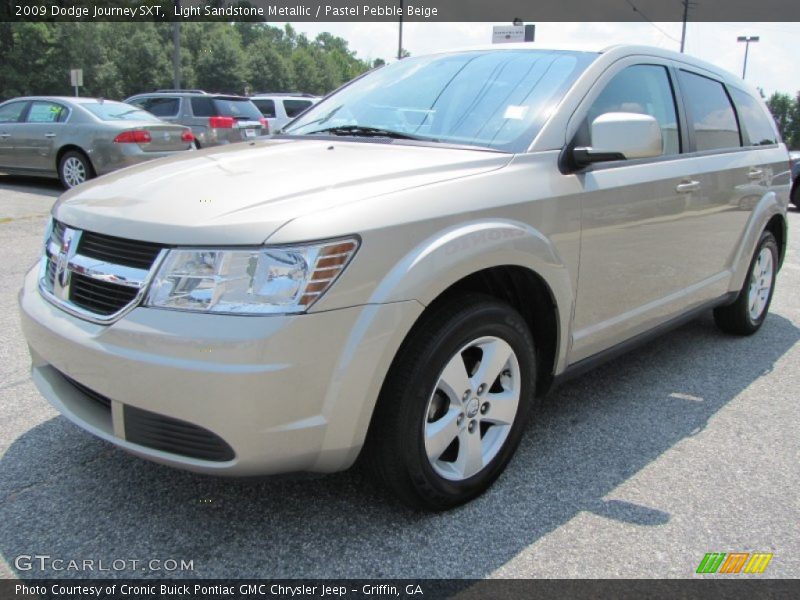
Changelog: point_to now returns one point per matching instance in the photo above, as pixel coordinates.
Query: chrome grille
(95, 276)
(120, 251)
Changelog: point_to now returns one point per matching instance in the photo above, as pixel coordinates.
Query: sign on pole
(509, 34)
(76, 79)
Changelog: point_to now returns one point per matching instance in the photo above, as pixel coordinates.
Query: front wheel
(747, 313)
(455, 403)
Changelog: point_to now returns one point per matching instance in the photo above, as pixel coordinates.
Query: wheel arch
(72, 147)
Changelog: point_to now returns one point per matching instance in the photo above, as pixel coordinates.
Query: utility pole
(176, 49)
(685, 18)
(400, 37)
(746, 39)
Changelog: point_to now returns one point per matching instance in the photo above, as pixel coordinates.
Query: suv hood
(242, 193)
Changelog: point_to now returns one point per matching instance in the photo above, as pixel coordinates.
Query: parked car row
(76, 139)
(794, 159)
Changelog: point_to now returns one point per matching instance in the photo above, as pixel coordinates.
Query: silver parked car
(404, 272)
(215, 119)
(76, 139)
(280, 108)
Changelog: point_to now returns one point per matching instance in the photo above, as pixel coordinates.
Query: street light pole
(400, 37)
(746, 39)
(176, 49)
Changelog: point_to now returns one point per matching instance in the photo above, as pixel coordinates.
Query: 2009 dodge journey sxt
(408, 265)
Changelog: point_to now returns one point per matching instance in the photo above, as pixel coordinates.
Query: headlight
(264, 280)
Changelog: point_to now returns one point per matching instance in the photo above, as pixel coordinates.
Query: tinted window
(163, 107)
(117, 111)
(10, 113)
(641, 89)
(497, 99)
(710, 112)
(295, 107)
(203, 107)
(267, 107)
(47, 112)
(756, 122)
(237, 108)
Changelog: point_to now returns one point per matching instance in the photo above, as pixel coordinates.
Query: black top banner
(393, 10)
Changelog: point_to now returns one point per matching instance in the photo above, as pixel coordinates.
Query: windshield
(494, 99)
(117, 111)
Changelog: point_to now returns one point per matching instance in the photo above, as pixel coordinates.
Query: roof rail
(169, 91)
(299, 94)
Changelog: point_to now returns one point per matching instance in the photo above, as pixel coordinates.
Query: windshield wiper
(365, 131)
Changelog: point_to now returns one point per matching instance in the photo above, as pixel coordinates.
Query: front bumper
(286, 393)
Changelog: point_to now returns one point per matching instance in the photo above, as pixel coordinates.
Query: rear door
(294, 107)
(11, 115)
(41, 133)
(246, 118)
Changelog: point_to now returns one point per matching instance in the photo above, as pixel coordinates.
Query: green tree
(220, 61)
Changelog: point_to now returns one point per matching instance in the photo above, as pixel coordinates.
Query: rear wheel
(455, 403)
(746, 315)
(796, 194)
(74, 168)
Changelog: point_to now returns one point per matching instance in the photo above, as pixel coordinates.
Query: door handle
(5, 135)
(755, 174)
(49, 135)
(685, 187)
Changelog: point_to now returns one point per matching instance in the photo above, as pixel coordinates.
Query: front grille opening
(100, 297)
(119, 251)
(89, 393)
(175, 436)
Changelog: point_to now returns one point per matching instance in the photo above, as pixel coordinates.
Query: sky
(772, 64)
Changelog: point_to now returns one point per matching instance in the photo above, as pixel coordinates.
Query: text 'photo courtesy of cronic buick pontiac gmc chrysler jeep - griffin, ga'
(401, 273)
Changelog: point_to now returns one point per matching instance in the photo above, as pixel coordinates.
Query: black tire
(736, 318)
(70, 167)
(195, 145)
(395, 447)
(796, 194)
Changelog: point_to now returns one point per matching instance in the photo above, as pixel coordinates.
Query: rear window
(241, 109)
(117, 111)
(756, 122)
(295, 107)
(267, 107)
(203, 107)
(162, 107)
(710, 112)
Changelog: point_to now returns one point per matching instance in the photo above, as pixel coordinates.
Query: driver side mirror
(620, 136)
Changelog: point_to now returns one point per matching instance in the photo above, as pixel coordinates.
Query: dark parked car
(76, 139)
(215, 119)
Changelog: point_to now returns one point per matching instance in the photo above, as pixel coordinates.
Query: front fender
(450, 255)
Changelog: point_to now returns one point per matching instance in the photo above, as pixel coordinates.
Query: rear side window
(710, 112)
(47, 112)
(295, 107)
(757, 123)
(203, 107)
(238, 108)
(10, 113)
(163, 107)
(267, 107)
(641, 89)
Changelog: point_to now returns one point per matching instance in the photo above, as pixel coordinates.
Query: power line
(644, 17)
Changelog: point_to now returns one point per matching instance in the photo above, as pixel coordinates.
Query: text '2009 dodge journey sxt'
(405, 269)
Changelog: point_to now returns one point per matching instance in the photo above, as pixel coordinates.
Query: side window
(10, 113)
(758, 124)
(163, 107)
(295, 107)
(139, 103)
(46, 112)
(642, 89)
(266, 107)
(710, 112)
(203, 107)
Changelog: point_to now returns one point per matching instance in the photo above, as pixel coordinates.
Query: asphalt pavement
(686, 446)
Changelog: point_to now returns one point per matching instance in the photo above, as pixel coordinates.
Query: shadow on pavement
(66, 494)
(33, 185)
